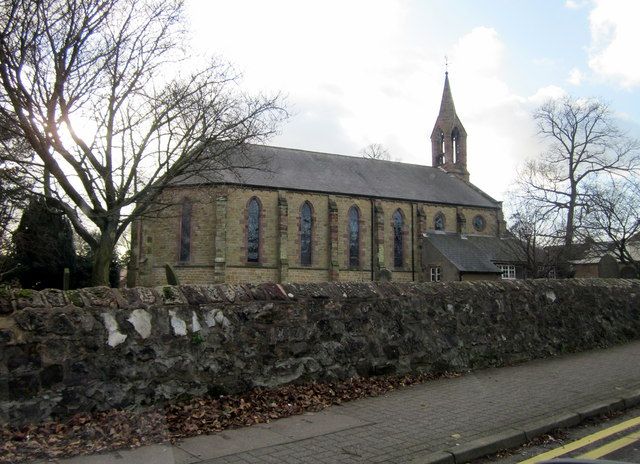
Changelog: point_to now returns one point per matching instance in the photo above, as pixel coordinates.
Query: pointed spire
(447, 108)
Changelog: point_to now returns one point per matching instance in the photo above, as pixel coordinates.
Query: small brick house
(448, 256)
(306, 216)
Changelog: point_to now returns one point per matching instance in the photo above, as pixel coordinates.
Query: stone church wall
(97, 348)
(318, 271)
(236, 250)
(218, 240)
(361, 273)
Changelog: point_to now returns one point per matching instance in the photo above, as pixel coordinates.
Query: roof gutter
(351, 194)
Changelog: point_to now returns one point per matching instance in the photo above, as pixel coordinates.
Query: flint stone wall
(98, 348)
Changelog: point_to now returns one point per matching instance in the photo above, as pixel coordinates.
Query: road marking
(613, 446)
(554, 453)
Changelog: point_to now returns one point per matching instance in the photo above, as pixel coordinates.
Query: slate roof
(286, 168)
(463, 253)
(499, 249)
(476, 253)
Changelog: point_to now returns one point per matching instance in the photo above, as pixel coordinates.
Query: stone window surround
(479, 222)
(439, 214)
(245, 225)
(360, 225)
(179, 260)
(404, 235)
(312, 238)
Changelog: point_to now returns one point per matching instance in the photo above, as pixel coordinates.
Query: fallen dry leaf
(120, 429)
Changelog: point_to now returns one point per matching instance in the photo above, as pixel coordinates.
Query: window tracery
(354, 237)
(185, 231)
(305, 234)
(398, 251)
(253, 231)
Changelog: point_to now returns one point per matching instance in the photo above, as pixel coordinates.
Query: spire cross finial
(446, 64)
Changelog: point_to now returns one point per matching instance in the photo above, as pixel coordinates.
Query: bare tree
(113, 69)
(613, 214)
(15, 185)
(583, 144)
(375, 151)
(535, 236)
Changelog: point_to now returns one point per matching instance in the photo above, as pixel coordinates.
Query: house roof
(590, 252)
(463, 252)
(500, 249)
(287, 168)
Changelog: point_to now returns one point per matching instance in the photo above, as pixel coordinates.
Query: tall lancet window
(185, 231)
(253, 231)
(305, 234)
(455, 143)
(398, 251)
(354, 237)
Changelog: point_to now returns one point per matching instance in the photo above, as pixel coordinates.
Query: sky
(356, 72)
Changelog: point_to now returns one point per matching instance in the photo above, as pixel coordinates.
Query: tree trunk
(102, 256)
(569, 231)
(568, 235)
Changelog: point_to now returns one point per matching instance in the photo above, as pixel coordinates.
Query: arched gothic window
(438, 222)
(305, 234)
(398, 250)
(185, 231)
(455, 143)
(253, 231)
(354, 237)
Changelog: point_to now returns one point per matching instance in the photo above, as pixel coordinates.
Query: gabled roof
(500, 249)
(287, 168)
(462, 253)
(476, 253)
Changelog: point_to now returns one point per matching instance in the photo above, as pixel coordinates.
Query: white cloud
(359, 77)
(501, 132)
(478, 61)
(575, 77)
(615, 36)
(549, 92)
(574, 4)
(341, 63)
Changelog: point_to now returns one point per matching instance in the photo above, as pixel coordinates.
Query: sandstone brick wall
(586, 270)
(159, 239)
(448, 272)
(236, 243)
(98, 348)
(344, 203)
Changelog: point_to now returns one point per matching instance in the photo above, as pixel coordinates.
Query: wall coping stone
(184, 295)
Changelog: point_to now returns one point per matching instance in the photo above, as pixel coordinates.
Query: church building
(307, 217)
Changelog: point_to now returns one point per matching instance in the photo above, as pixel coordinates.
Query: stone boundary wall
(98, 348)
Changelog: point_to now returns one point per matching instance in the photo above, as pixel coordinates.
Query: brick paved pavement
(406, 425)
